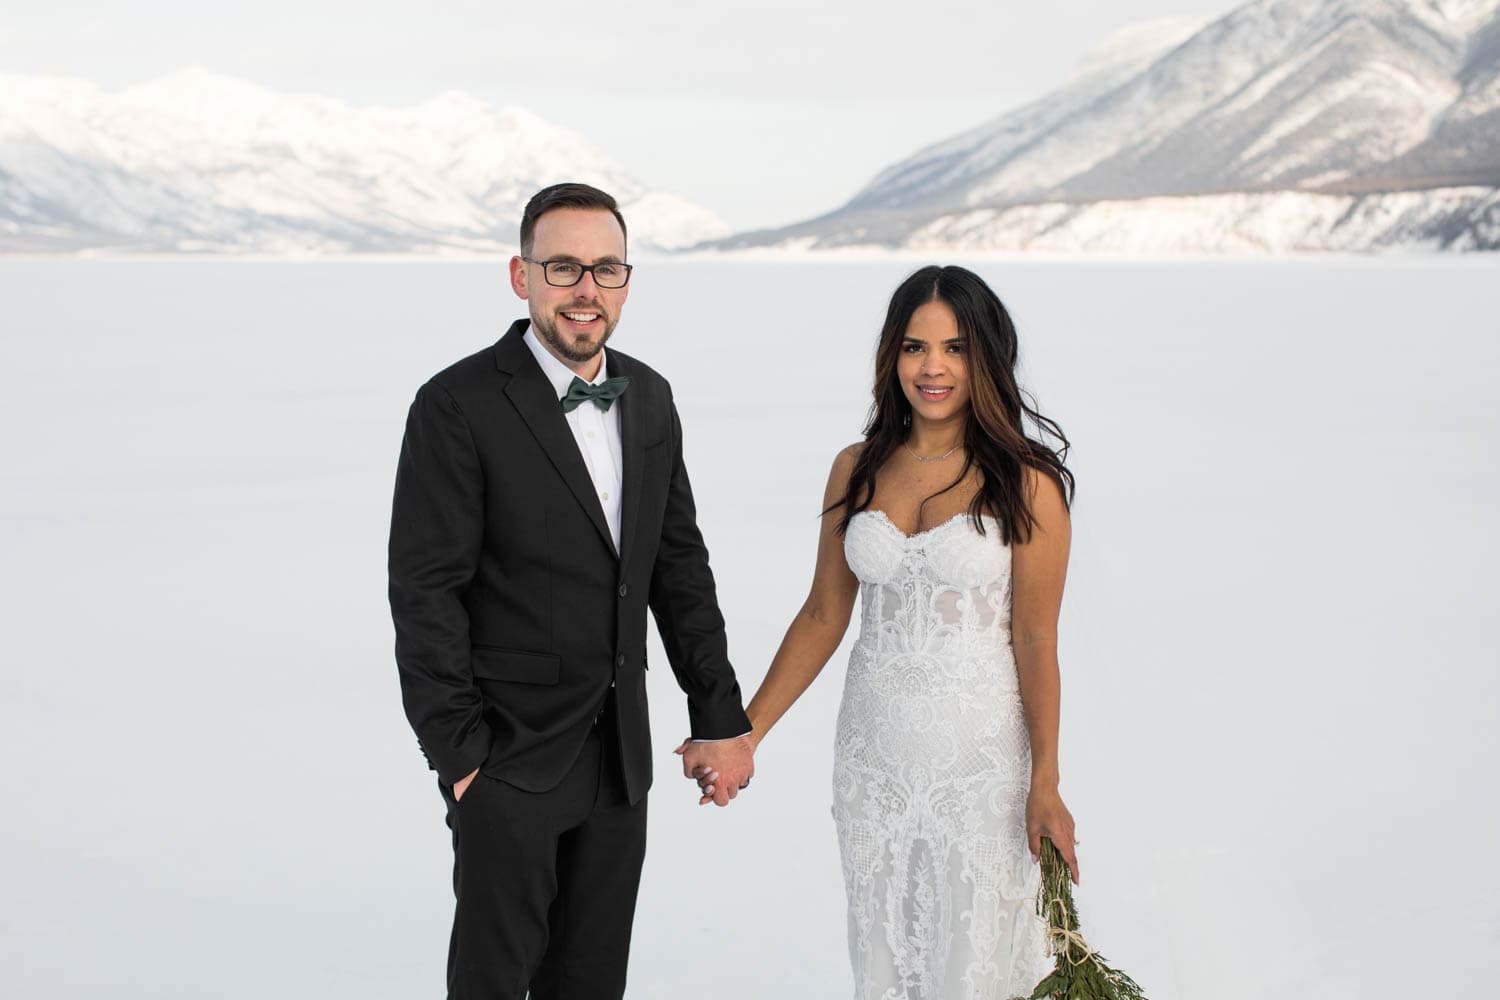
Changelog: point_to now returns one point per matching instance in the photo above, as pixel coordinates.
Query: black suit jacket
(514, 613)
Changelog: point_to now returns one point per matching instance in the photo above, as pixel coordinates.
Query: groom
(541, 507)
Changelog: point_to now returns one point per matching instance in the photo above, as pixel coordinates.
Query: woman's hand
(707, 776)
(1046, 816)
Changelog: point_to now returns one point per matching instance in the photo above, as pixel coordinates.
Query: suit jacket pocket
(493, 664)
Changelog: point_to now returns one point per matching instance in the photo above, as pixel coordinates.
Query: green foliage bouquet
(1080, 973)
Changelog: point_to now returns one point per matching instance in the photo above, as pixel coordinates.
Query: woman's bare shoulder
(845, 460)
(1046, 501)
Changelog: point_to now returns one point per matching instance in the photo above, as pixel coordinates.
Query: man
(541, 506)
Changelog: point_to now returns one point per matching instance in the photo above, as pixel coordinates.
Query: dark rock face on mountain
(1285, 125)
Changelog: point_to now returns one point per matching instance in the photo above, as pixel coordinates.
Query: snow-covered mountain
(196, 162)
(1285, 125)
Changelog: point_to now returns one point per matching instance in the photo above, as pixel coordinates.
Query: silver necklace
(932, 458)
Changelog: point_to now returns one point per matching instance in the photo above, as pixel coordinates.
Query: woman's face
(932, 364)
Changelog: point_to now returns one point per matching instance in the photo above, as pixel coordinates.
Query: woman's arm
(815, 632)
(819, 625)
(1039, 567)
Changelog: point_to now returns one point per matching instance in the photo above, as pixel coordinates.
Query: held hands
(1046, 816)
(722, 768)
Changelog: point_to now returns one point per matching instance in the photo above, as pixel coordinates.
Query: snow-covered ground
(1279, 667)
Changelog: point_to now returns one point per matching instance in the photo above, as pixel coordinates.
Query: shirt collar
(559, 374)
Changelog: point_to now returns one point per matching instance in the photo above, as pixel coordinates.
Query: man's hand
(462, 785)
(721, 767)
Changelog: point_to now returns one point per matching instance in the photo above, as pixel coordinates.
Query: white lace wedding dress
(931, 769)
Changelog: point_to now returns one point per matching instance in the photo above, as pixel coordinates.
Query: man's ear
(518, 277)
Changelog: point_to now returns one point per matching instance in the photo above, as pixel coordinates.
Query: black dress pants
(546, 882)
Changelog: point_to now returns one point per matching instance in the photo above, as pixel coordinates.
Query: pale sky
(766, 113)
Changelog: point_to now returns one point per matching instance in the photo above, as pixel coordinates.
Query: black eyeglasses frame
(582, 270)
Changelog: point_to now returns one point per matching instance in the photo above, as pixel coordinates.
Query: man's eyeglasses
(567, 273)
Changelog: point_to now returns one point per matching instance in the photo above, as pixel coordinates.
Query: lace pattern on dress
(931, 770)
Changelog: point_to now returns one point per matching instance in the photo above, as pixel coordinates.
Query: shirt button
(604, 495)
(620, 660)
(624, 590)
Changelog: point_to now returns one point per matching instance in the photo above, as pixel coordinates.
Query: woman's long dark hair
(995, 437)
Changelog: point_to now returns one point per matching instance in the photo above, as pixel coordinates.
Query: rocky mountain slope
(1285, 125)
(196, 162)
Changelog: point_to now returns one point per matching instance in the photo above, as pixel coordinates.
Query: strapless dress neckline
(883, 517)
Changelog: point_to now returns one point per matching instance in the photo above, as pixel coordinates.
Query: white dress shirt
(596, 431)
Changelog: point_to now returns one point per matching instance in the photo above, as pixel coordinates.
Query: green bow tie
(603, 394)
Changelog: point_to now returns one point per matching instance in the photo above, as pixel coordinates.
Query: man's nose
(586, 288)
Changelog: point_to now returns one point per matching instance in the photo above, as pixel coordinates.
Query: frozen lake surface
(1279, 661)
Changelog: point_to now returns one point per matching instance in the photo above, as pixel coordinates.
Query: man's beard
(546, 328)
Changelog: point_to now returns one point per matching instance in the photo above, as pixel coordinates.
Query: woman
(953, 525)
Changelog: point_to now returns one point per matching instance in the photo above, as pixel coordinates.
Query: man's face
(573, 322)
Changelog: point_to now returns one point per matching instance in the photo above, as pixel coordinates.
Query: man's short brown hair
(569, 195)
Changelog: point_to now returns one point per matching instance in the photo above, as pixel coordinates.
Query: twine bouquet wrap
(1080, 973)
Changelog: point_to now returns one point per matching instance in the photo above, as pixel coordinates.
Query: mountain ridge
(1282, 126)
(1346, 99)
(198, 162)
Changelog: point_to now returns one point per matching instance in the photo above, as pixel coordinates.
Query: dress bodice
(926, 592)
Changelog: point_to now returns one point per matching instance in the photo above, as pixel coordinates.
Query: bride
(952, 525)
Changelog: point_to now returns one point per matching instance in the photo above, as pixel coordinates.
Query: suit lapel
(533, 397)
(632, 452)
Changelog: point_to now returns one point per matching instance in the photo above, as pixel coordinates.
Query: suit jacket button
(620, 660)
(624, 590)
